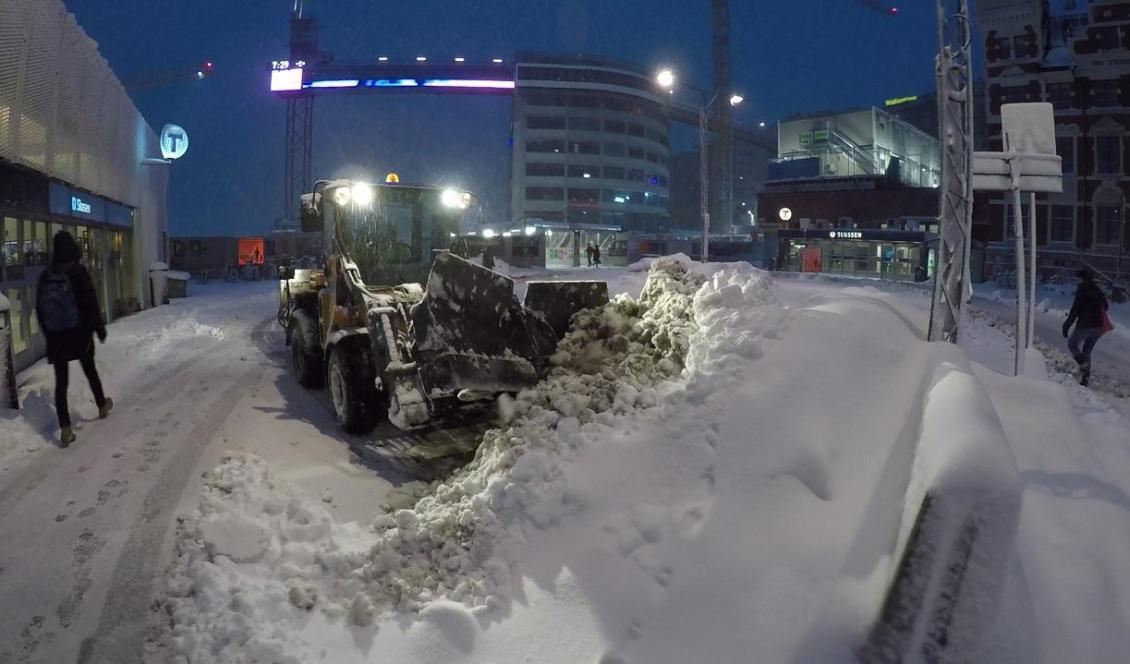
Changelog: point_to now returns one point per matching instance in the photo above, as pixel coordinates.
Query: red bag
(1107, 325)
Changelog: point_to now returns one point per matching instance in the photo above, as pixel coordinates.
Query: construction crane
(197, 72)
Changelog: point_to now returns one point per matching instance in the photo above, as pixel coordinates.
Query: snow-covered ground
(723, 467)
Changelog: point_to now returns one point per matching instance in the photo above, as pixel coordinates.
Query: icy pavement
(87, 531)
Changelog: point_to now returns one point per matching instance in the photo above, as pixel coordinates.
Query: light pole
(666, 80)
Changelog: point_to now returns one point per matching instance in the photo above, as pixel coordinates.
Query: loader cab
(388, 233)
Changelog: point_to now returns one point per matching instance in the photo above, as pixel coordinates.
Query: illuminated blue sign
(80, 206)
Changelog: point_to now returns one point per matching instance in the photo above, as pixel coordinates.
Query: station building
(854, 192)
(75, 155)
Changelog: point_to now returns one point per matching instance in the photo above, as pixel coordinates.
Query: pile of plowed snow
(254, 550)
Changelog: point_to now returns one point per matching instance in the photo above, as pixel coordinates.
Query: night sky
(788, 57)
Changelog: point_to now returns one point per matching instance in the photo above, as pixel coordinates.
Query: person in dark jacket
(596, 254)
(68, 312)
(1087, 316)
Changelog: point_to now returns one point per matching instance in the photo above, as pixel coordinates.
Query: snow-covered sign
(1029, 141)
(174, 141)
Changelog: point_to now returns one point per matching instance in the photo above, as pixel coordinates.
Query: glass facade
(27, 242)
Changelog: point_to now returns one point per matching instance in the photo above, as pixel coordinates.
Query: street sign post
(1029, 163)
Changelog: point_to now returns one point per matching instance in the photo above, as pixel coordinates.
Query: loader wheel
(357, 402)
(305, 351)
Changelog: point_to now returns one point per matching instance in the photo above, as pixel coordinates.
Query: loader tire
(305, 351)
(357, 402)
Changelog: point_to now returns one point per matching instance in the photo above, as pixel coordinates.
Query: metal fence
(62, 110)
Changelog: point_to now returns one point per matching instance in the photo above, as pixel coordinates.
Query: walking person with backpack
(1088, 315)
(67, 307)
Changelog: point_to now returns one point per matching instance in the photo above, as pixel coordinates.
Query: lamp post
(666, 80)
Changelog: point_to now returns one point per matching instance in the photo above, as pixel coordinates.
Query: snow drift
(705, 474)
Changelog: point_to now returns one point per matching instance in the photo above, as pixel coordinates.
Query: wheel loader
(397, 326)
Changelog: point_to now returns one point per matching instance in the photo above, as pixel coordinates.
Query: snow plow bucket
(470, 332)
(557, 301)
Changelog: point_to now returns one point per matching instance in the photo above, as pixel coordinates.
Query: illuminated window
(13, 251)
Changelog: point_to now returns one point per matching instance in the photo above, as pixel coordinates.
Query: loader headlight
(488, 233)
(342, 196)
(362, 194)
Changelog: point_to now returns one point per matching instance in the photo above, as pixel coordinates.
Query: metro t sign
(174, 141)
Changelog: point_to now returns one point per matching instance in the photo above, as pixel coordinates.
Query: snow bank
(706, 475)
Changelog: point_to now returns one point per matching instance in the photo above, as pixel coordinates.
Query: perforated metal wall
(62, 110)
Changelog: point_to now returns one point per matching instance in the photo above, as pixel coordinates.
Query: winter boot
(104, 409)
(66, 436)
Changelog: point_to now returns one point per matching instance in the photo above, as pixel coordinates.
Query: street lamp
(666, 80)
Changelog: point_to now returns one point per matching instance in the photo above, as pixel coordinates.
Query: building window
(545, 194)
(584, 147)
(1001, 47)
(1109, 155)
(636, 175)
(613, 173)
(615, 150)
(1107, 37)
(1104, 94)
(545, 170)
(545, 99)
(1061, 95)
(584, 101)
(584, 195)
(636, 153)
(636, 130)
(1109, 226)
(581, 171)
(545, 122)
(19, 339)
(1020, 46)
(13, 254)
(1065, 148)
(615, 126)
(584, 124)
(1014, 94)
(545, 146)
(1063, 223)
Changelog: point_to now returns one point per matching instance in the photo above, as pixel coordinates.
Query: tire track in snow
(126, 613)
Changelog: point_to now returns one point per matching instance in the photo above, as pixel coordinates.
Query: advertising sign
(174, 141)
(250, 251)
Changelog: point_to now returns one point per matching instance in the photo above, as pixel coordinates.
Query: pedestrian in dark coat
(68, 313)
(588, 253)
(1086, 315)
(596, 255)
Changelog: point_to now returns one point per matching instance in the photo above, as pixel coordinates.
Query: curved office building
(591, 145)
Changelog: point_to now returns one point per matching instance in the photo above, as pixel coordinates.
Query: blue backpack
(57, 303)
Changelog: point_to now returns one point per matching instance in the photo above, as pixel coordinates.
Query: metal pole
(1032, 273)
(705, 180)
(1021, 290)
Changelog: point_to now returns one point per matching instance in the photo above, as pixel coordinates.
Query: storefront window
(42, 242)
(13, 256)
(19, 339)
(32, 319)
